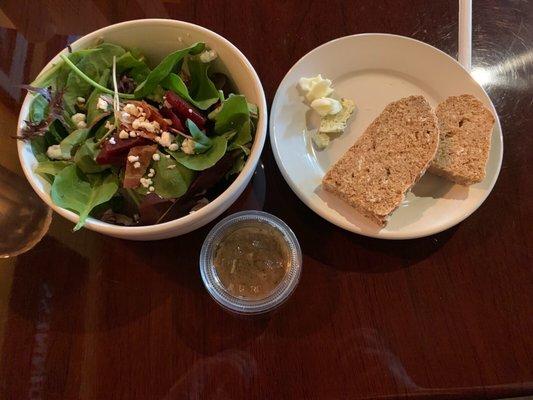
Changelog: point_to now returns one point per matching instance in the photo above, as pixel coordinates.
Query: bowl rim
(219, 204)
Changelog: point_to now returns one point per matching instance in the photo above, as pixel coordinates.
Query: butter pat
(326, 106)
(321, 140)
(315, 87)
(337, 123)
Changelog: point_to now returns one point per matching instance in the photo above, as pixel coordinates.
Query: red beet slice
(185, 110)
(115, 154)
(176, 123)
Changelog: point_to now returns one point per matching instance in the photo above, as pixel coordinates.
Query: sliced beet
(184, 110)
(115, 154)
(152, 208)
(133, 175)
(176, 122)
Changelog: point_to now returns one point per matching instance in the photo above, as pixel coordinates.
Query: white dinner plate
(374, 70)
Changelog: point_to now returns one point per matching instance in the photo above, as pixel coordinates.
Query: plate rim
(344, 224)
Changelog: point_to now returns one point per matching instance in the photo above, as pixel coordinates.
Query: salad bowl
(157, 38)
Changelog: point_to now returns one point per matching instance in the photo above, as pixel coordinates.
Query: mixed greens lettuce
(131, 143)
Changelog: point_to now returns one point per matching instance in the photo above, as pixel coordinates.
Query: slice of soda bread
(390, 156)
(465, 126)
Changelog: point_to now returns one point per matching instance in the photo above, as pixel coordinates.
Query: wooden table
(449, 316)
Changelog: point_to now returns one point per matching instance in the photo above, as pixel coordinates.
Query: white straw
(465, 33)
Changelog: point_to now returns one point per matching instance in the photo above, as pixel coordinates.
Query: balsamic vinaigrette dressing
(252, 260)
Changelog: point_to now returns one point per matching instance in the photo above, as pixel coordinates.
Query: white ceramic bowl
(157, 38)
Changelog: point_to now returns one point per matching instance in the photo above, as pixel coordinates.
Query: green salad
(132, 143)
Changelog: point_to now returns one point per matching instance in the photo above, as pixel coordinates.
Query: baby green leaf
(58, 131)
(85, 158)
(38, 108)
(92, 65)
(165, 67)
(134, 67)
(74, 191)
(243, 136)
(38, 148)
(76, 138)
(202, 90)
(172, 182)
(56, 75)
(92, 101)
(51, 167)
(100, 129)
(238, 165)
(232, 115)
(203, 93)
(201, 142)
(199, 162)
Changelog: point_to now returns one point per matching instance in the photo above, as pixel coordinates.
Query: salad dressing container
(250, 262)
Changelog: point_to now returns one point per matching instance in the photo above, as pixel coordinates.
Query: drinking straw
(465, 34)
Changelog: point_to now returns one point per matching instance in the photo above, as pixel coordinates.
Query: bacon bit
(152, 114)
(135, 172)
(147, 135)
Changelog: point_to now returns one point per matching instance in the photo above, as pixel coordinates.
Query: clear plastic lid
(219, 292)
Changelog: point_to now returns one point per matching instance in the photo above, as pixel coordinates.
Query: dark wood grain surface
(83, 316)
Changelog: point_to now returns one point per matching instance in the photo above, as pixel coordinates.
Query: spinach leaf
(133, 66)
(38, 108)
(85, 158)
(237, 167)
(203, 93)
(56, 75)
(172, 182)
(138, 54)
(203, 90)
(199, 162)
(57, 131)
(39, 144)
(243, 136)
(157, 95)
(165, 67)
(92, 101)
(76, 192)
(93, 66)
(233, 113)
(74, 139)
(100, 129)
(51, 167)
(38, 148)
(175, 83)
(254, 111)
(132, 196)
(229, 135)
(201, 142)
